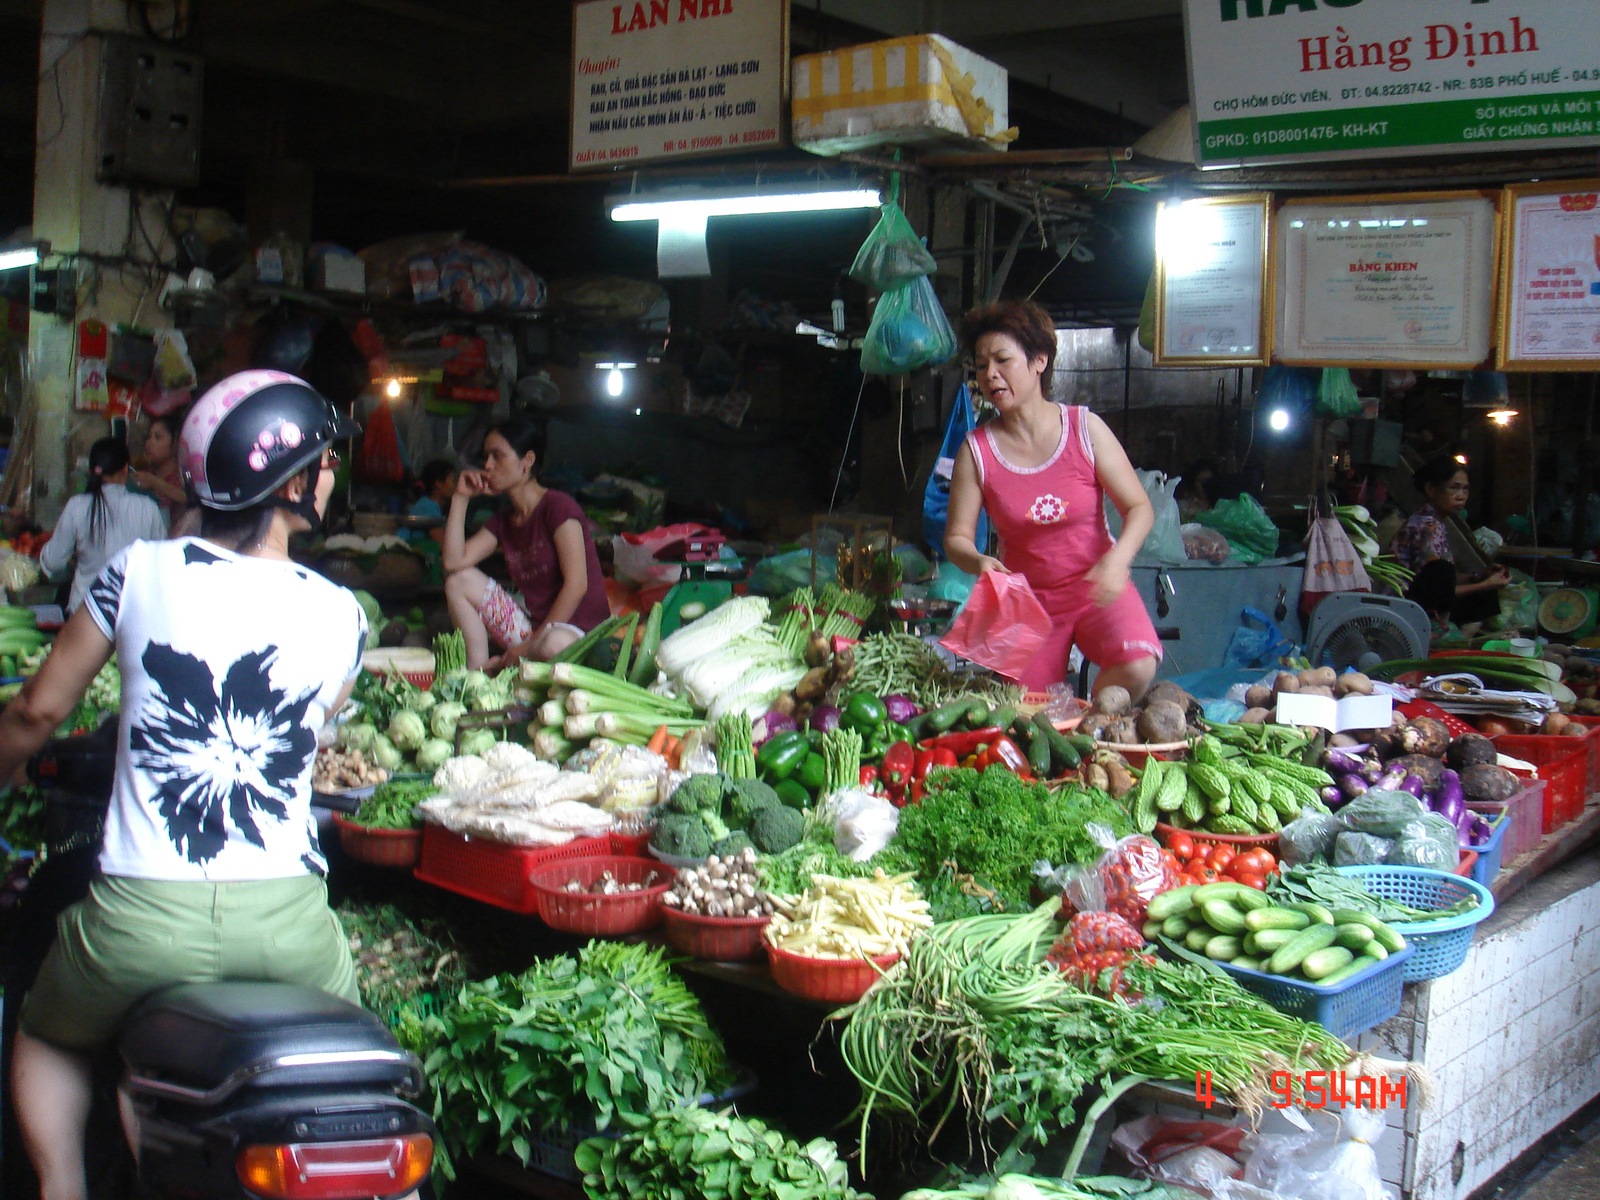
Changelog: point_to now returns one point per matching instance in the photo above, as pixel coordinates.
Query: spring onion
(601, 684)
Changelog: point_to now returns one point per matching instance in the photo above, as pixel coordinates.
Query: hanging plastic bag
(908, 330)
(1195, 1154)
(892, 254)
(1293, 389)
(1002, 627)
(379, 459)
(936, 496)
(1332, 564)
(1339, 1162)
(1258, 642)
(1247, 527)
(1336, 394)
(1165, 542)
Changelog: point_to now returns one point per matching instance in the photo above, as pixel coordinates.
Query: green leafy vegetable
(391, 805)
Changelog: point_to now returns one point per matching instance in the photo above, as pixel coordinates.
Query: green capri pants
(130, 937)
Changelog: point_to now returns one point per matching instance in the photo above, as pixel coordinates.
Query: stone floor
(1563, 1166)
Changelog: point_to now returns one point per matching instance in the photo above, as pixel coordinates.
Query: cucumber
(1352, 968)
(1319, 914)
(1039, 755)
(976, 715)
(1060, 748)
(1374, 949)
(1274, 917)
(1270, 941)
(1002, 717)
(1251, 900)
(1176, 926)
(1224, 947)
(1149, 930)
(1081, 742)
(1247, 961)
(1231, 892)
(1386, 936)
(1322, 963)
(941, 719)
(1308, 941)
(1251, 946)
(1197, 938)
(1173, 902)
(1354, 937)
(1223, 917)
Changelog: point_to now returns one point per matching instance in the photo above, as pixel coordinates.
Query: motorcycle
(235, 1089)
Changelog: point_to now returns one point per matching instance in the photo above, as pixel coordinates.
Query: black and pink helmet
(251, 433)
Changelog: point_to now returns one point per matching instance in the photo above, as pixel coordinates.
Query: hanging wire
(844, 455)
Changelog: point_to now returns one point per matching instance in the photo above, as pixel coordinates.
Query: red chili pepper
(899, 761)
(935, 756)
(869, 776)
(961, 744)
(918, 790)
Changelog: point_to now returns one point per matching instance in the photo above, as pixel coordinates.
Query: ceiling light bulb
(614, 382)
(1502, 416)
(1279, 420)
(392, 389)
(1462, 459)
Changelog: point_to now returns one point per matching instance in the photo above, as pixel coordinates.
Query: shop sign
(1387, 281)
(1299, 80)
(671, 79)
(1550, 282)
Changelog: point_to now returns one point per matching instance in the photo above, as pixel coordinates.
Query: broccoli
(698, 794)
(747, 797)
(684, 836)
(714, 826)
(732, 844)
(776, 829)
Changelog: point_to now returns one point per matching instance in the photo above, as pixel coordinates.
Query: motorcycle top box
(271, 1090)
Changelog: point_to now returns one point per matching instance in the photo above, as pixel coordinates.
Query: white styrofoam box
(904, 91)
(335, 272)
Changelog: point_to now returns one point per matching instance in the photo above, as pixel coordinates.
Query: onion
(824, 718)
(901, 708)
(777, 723)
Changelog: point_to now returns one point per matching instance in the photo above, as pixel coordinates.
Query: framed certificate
(1550, 277)
(1387, 281)
(1214, 282)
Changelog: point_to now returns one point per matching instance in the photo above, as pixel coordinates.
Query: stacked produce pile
(511, 796)
(1262, 699)
(850, 918)
(401, 962)
(1166, 715)
(403, 728)
(1242, 780)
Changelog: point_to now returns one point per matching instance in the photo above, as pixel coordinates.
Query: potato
(1308, 678)
(1574, 729)
(1353, 683)
(1258, 696)
(1165, 689)
(1316, 689)
(1255, 716)
(1318, 677)
(1163, 722)
(1556, 723)
(1287, 681)
(1112, 700)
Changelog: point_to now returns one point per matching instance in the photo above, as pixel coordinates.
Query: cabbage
(433, 754)
(407, 730)
(369, 605)
(357, 735)
(478, 741)
(385, 754)
(442, 721)
(421, 702)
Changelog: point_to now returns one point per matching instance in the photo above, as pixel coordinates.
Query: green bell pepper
(812, 772)
(793, 794)
(863, 713)
(778, 758)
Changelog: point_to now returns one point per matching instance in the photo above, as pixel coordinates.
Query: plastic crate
(494, 872)
(1345, 1009)
(596, 914)
(1465, 864)
(1437, 947)
(1489, 855)
(1524, 814)
(1592, 741)
(1563, 763)
(553, 1151)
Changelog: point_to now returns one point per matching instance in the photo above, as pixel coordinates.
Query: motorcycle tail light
(336, 1170)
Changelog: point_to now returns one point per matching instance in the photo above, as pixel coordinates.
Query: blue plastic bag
(936, 496)
(1254, 647)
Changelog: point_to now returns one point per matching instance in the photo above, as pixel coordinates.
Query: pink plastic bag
(635, 553)
(1002, 627)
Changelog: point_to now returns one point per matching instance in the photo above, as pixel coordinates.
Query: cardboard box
(340, 273)
(905, 92)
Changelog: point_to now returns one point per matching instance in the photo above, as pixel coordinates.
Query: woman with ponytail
(102, 521)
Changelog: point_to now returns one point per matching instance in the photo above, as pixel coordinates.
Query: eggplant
(1341, 762)
(1464, 825)
(1448, 792)
(1450, 806)
(1415, 786)
(1351, 786)
(1371, 770)
(1482, 831)
(901, 708)
(1390, 781)
(1332, 796)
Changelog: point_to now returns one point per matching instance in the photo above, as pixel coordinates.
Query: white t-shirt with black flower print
(229, 666)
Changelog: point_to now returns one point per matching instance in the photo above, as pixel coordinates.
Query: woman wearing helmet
(232, 657)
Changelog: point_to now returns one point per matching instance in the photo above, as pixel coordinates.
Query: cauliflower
(460, 773)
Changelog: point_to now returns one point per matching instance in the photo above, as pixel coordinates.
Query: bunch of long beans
(888, 664)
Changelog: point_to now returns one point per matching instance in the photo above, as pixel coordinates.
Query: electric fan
(1360, 630)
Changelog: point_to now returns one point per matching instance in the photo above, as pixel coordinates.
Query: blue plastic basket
(1440, 946)
(1490, 853)
(1345, 1009)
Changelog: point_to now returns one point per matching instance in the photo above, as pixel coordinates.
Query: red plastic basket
(1427, 708)
(1524, 818)
(380, 847)
(830, 980)
(719, 939)
(1563, 763)
(494, 872)
(1592, 741)
(1469, 859)
(1246, 840)
(630, 846)
(595, 914)
(422, 680)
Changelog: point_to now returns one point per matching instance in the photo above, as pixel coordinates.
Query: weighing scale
(700, 556)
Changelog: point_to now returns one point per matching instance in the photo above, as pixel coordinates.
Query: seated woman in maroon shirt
(548, 550)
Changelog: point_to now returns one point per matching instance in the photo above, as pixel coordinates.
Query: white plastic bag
(1165, 543)
(863, 824)
(1335, 1162)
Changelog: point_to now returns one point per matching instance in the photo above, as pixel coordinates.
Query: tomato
(1182, 845)
(1209, 874)
(1257, 861)
(1220, 856)
(1251, 880)
(1171, 859)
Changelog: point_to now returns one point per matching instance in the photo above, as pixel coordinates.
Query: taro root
(1469, 750)
(1169, 692)
(1424, 766)
(1425, 735)
(1112, 700)
(1487, 782)
(1124, 731)
(1163, 721)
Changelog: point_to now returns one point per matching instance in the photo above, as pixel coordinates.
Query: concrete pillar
(78, 215)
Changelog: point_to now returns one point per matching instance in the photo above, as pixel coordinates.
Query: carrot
(673, 752)
(658, 740)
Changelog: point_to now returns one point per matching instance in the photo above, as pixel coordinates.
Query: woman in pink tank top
(1042, 471)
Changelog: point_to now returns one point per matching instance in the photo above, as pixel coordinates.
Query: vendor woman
(1041, 471)
(1421, 546)
(548, 551)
